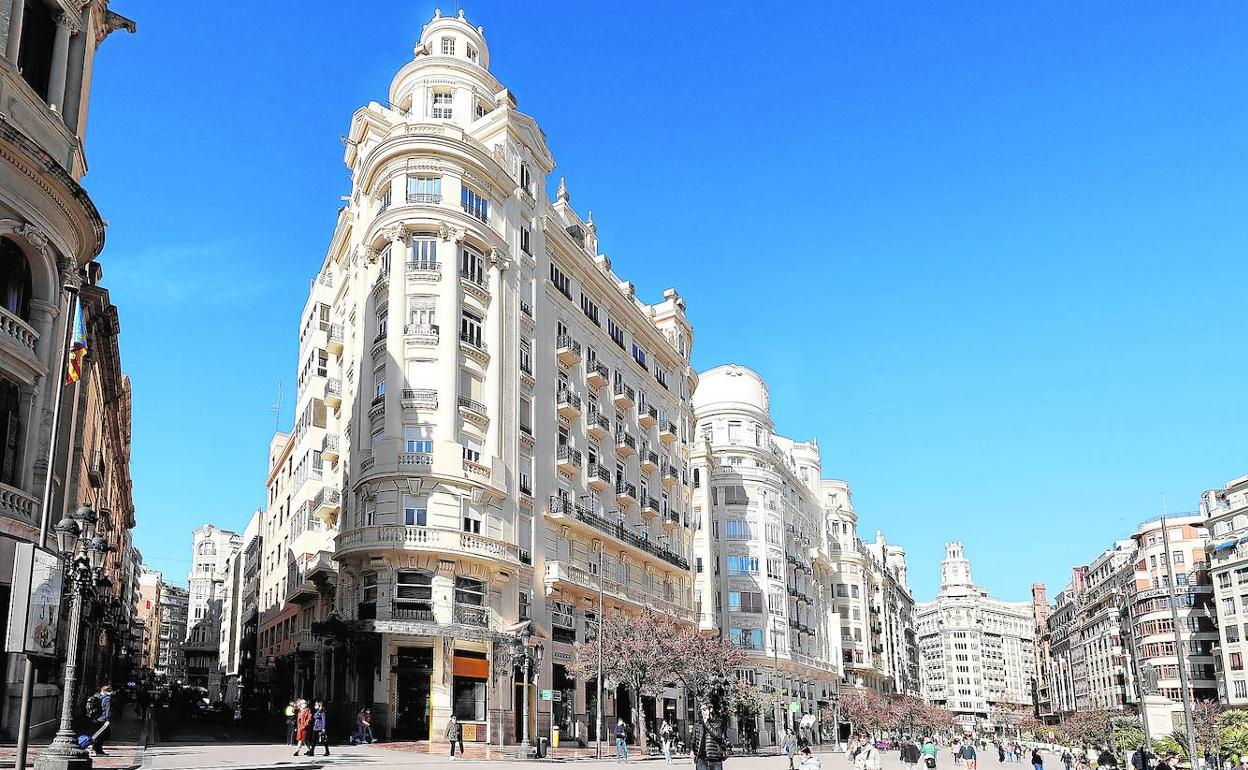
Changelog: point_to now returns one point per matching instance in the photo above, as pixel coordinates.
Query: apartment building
(1181, 552)
(891, 609)
(489, 425)
(149, 614)
(170, 660)
(762, 565)
(1225, 512)
(212, 549)
(233, 650)
(976, 652)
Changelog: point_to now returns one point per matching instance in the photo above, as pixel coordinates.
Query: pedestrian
(709, 746)
(303, 727)
(809, 761)
(363, 727)
(956, 748)
(1166, 764)
(291, 712)
(1003, 752)
(455, 735)
(789, 745)
(1139, 759)
(1106, 758)
(967, 755)
(1067, 760)
(621, 740)
(100, 712)
(320, 726)
(1037, 761)
(667, 733)
(910, 753)
(868, 756)
(929, 753)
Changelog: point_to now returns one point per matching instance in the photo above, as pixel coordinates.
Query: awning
(1227, 544)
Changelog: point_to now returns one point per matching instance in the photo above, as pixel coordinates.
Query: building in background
(891, 610)
(1042, 694)
(150, 616)
(761, 561)
(249, 615)
(233, 651)
(50, 232)
(488, 420)
(1225, 512)
(1152, 620)
(211, 552)
(977, 653)
(170, 660)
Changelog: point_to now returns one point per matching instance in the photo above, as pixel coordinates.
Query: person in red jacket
(303, 728)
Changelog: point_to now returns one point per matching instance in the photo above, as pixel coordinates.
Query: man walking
(968, 755)
(621, 740)
(101, 713)
(709, 746)
(455, 734)
(291, 711)
(910, 753)
(667, 733)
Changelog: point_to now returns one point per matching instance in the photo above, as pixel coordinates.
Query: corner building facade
(490, 426)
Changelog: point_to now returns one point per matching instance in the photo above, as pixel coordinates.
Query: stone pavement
(125, 748)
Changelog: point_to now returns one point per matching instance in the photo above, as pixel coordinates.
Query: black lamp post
(83, 551)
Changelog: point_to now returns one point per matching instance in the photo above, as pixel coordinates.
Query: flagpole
(69, 287)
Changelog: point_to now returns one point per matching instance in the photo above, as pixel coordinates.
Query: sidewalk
(125, 748)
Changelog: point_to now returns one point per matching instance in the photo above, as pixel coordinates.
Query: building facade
(1225, 512)
(1152, 619)
(761, 560)
(489, 422)
(891, 607)
(212, 549)
(977, 653)
(50, 233)
(170, 660)
(149, 615)
(236, 650)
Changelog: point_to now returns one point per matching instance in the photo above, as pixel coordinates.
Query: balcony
(569, 574)
(599, 477)
(421, 334)
(668, 475)
(472, 615)
(568, 404)
(333, 339)
(475, 283)
(474, 347)
(648, 416)
(424, 197)
(596, 374)
(327, 504)
(650, 508)
(598, 425)
(526, 309)
(333, 392)
(624, 395)
(625, 444)
(625, 493)
(418, 613)
(397, 537)
(667, 432)
(424, 270)
(567, 349)
(310, 576)
(568, 459)
(649, 461)
(473, 411)
(420, 398)
(563, 508)
(671, 520)
(329, 448)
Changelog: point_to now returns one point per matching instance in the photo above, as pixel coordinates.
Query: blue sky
(989, 254)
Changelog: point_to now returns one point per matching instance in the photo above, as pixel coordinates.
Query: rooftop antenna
(276, 409)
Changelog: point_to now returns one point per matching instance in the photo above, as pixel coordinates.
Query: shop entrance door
(413, 684)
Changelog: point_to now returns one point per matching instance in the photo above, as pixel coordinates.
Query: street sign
(794, 706)
(546, 694)
(556, 695)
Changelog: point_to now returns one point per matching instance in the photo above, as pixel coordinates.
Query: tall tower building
(976, 652)
(491, 426)
(212, 549)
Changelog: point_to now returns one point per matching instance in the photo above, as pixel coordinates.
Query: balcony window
(470, 328)
(639, 355)
(424, 189)
(589, 308)
(424, 247)
(418, 438)
(616, 332)
(525, 603)
(472, 265)
(742, 565)
(471, 520)
(421, 313)
(525, 236)
(526, 356)
(736, 530)
(15, 280)
(561, 280)
(413, 592)
(442, 105)
(474, 203)
(469, 591)
(415, 512)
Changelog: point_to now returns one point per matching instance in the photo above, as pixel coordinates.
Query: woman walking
(303, 726)
(1037, 761)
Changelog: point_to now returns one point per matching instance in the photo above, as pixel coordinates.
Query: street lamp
(520, 652)
(83, 551)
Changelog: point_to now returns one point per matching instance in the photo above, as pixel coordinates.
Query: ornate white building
(975, 652)
(490, 426)
(212, 549)
(1226, 521)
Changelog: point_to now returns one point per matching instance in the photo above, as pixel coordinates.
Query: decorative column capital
(395, 234)
(71, 23)
(499, 259)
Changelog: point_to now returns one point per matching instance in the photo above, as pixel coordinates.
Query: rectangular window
(472, 518)
(526, 357)
(589, 308)
(1241, 688)
(424, 252)
(442, 104)
(639, 355)
(472, 265)
(482, 109)
(474, 203)
(526, 416)
(526, 178)
(448, 46)
(472, 57)
(736, 530)
(561, 281)
(470, 328)
(415, 514)
(525, 237)
(368, 586)
(1237, 662)
(616, 332)
(418, 438)
(424, 189)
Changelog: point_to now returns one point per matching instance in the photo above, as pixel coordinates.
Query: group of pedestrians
(306, 728)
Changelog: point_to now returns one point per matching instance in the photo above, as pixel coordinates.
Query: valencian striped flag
(77, 348)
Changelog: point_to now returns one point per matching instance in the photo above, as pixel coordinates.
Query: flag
(77, 348)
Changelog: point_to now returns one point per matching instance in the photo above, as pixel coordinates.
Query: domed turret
(454, 37)
(732, 387)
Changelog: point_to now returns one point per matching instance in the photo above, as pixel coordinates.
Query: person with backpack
(910, 753)
(320, 727)
(709, 748)
(868, 756)
(291, 711)
(100, 711)
(667, 733)
(929, 753)
(1037, 761)
(809, 761)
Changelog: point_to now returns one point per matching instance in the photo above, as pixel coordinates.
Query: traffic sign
(546, 694)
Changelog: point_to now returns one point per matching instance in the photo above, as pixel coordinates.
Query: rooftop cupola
(453, 37)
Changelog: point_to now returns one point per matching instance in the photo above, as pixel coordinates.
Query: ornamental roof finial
(562, 194)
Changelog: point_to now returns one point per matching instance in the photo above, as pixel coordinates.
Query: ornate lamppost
(528, 658)
(83, 551)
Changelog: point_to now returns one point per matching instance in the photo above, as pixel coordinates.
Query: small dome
(732, 387)
(454, 36)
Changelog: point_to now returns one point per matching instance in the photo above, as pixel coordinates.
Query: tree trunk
(639, 721)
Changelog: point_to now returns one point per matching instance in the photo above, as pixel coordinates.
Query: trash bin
(554, 737)
(542, 744)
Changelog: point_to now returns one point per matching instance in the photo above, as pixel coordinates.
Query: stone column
(395, 298)
(76, 77)
(494, 380)
(16, 18)
(66, 26)
(448, 313)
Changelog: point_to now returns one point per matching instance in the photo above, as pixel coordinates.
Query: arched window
(15, 286)
(10, 433)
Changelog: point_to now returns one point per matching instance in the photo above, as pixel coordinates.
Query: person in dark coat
(709, 748)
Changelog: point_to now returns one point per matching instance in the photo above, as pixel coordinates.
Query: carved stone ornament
(70, 22)
(395, 233)
(444, 232)
(500, 260)
(368, 254)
